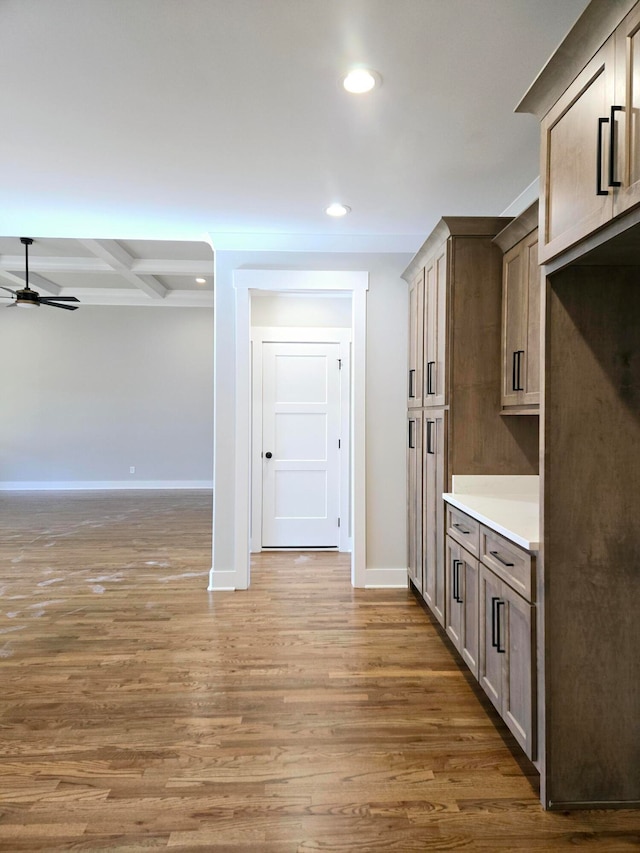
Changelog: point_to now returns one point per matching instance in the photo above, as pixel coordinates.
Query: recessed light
(361, 80)
(337, 209)
(201, 281)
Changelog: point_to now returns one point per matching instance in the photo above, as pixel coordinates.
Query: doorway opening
(246, 284)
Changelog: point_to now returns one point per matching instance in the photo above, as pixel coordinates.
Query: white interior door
(300, 445)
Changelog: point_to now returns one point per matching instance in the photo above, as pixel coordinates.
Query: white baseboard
(100, 485)
(222, 581)
(386, 578)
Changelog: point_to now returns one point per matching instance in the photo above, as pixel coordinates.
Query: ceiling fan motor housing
(27, 297)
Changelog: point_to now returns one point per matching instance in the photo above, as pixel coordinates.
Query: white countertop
(508, 505)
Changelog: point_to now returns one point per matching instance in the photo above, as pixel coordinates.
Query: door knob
(268, 454)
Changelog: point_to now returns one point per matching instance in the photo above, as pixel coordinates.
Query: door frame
(306, 281)
(299, 335)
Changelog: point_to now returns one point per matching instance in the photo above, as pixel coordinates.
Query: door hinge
(338, 522)
(339, 364)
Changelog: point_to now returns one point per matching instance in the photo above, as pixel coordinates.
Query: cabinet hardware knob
(268, 454)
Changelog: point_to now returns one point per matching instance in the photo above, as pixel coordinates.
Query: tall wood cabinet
(588, 598)
(458, 271)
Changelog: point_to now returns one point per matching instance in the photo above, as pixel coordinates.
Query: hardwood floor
(139, 712)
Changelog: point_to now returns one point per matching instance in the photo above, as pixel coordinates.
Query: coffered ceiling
(107, 272)
(141, 120)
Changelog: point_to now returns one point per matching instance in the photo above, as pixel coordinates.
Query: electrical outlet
(132, 469)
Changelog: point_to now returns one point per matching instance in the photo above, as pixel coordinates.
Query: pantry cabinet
(458, 270)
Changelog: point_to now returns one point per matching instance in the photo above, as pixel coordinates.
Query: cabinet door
(416, 340)
(434, 474)
(435, 329)
(531, 367)
(414, 500)
(454, 621)
(469, 586)
(517, 629)
(626, 128)
(514, 298)
(576, 199)
(491, 651)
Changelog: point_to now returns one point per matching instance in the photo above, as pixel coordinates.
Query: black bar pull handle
(494, 601)
(412, 438)
(612, 147)
(499, 604)
(599, 190)
(430, 448)
(500, 560)
(458, 566)
(519, 354)
(412, 382)
(430, 388)
(514, 371)
(454, 582)
(461, 528)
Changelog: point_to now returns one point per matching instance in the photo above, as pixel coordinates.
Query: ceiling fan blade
(8, 289)
(59, 299)
(66, 307)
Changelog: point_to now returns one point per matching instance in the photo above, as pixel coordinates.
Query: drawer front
(511, 563)
(463, 529)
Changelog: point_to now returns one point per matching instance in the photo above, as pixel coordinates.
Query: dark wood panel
(482, 442)
(592, 535)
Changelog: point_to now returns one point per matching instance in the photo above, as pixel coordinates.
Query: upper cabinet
(520, 338)
(435, 319)
(590, 142)
(576, 137)
(416, 340)
(625, 128)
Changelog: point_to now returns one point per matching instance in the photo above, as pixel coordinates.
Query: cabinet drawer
(508, 561)
(463, 529)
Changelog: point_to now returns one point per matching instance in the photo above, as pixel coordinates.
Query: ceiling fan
(31, 298)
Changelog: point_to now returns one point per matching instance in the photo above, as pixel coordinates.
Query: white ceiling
(176, 119)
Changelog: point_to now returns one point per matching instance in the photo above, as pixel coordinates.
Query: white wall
(387, 312)
(295, 309)
(86, 394)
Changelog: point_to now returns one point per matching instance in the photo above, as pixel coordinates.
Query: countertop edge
(458, 502)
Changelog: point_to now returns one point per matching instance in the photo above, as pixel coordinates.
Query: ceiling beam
(35, 280)
(122, 262)
(140, 266)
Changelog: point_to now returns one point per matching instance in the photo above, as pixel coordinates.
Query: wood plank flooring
(139, 712)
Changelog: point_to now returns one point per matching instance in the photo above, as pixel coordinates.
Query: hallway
(139, 712)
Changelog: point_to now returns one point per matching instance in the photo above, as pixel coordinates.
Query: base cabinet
(507, 656)
(462, 609)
